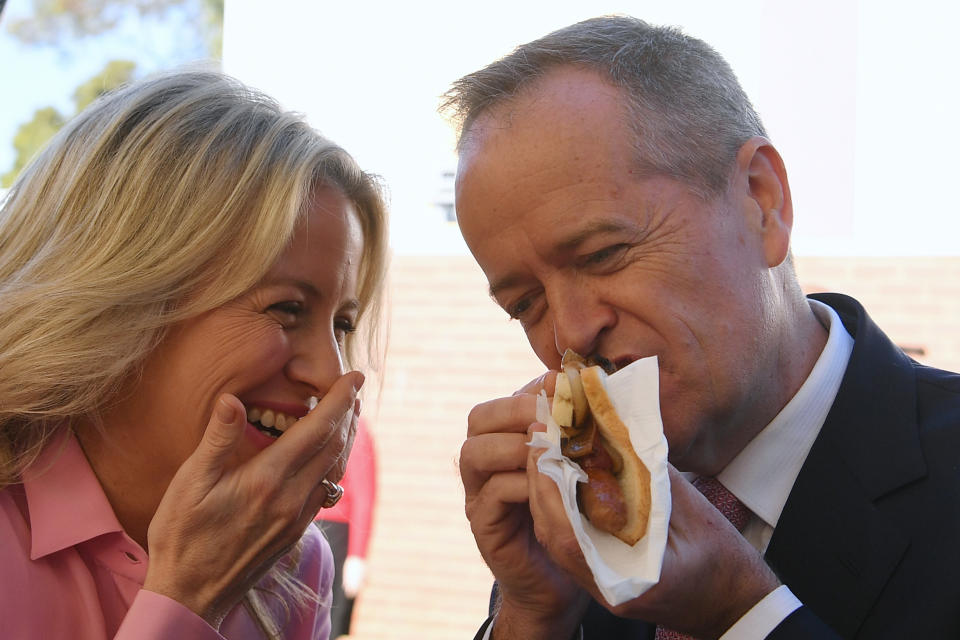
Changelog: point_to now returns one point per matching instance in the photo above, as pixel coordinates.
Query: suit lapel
(832, 545)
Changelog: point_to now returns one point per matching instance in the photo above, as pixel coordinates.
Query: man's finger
(545, 382)
(482, 456)
(545, 499)
(499, 496)
(503, 415)
(551, 524)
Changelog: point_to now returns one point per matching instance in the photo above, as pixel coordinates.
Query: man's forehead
(571, 98)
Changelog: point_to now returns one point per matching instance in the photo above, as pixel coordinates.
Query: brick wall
(451, 348)
(915, 300)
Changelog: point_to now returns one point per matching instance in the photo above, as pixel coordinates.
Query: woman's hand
(219, 529)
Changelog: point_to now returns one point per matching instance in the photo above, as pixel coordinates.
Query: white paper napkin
(622, 572)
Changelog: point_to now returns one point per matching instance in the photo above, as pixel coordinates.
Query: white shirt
(764, 472)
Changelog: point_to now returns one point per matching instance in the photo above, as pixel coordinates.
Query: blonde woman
(181, 274)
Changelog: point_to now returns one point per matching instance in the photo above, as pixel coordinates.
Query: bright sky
(860, 98)
(35, 77)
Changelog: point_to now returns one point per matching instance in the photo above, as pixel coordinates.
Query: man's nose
(316, 364)
(579, 320)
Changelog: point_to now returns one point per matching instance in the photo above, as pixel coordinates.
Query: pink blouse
(67, 569)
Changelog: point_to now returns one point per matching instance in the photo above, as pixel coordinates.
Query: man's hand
(538, 599)
(711, 575)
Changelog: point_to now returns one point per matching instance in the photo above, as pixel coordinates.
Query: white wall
(858, 97)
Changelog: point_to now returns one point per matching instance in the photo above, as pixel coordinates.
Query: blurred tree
(56, 23)
(30, 137)
(59, 23)
(116, 73)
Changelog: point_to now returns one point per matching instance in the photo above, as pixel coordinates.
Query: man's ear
(768, 196)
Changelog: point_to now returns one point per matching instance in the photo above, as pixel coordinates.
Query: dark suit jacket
(869, 539)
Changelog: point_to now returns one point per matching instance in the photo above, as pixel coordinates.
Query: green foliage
(213, 16)
(116, 73)
(58, 23)
(30, 138)
(53, 21)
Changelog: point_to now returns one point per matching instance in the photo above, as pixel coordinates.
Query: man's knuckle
(465, 458)
(476, 416)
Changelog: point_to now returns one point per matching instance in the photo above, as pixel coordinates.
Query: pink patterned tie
(725, 502)
(734, 511)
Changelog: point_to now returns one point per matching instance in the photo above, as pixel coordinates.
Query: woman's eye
(343, 327)
(290, 310)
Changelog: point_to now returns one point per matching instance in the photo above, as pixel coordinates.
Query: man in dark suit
(619, 192)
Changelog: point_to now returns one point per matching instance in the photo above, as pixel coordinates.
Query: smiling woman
(183, 253)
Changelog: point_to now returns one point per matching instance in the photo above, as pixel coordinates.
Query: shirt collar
(65, 501)
(763, 473)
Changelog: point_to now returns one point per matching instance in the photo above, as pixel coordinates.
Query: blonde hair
(161, 201)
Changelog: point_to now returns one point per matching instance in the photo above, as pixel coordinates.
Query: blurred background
(859, 97)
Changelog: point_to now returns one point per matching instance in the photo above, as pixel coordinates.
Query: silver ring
(334, 493)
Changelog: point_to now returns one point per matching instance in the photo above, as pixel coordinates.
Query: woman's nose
(316, 364)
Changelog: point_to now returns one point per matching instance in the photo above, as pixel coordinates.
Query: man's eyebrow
(503, 283)
(566, 245)
(592, 228)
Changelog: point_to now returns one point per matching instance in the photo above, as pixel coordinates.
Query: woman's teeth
(270, 421)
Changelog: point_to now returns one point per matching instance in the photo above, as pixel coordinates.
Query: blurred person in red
(347, 528)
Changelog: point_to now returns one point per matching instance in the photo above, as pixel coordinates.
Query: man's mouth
(611, 366)
(269, 421)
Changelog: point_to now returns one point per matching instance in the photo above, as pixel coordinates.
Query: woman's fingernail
(356, 407)
(225, 410)
(358, 381)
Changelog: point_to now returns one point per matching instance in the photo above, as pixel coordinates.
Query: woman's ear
(768, 194)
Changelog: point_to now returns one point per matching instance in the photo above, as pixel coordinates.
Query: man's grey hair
(688, 111)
